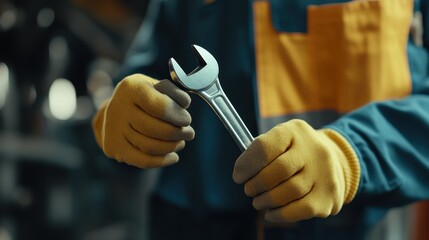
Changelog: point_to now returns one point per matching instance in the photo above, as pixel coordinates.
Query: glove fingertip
(186, 119)
(189, 133)
(170, 159)
(184, 100)
(237, 176)
(177, 116)
(244, 167)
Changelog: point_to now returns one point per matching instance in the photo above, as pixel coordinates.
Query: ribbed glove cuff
(349, 163)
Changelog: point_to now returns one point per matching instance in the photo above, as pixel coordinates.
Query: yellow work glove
(294, 172)
(144, 123)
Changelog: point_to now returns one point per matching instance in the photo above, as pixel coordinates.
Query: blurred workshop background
(57, 61)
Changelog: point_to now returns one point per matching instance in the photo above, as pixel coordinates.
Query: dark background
(55, 183)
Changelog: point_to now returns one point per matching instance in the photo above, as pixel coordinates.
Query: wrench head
(202, 77)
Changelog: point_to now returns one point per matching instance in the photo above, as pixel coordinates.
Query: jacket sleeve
(391, 138)
(392, 141)
(148, 51)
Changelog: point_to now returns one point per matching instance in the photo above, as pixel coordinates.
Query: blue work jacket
(390, 133)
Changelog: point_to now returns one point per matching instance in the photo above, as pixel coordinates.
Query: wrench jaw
(205, 61)
(177, 73)
(198, 53)
(201, 77)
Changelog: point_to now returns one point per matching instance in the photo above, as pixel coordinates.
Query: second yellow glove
(144, 123)
(294, 172)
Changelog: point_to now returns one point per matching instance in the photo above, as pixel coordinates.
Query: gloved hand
(144, 123)
(294, 172)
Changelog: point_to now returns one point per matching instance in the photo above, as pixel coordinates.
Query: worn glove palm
(295, 172)
(144, 123)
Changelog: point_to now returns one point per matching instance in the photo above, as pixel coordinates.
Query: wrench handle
(223, 108)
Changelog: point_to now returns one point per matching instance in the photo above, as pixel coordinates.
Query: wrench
(204, 82)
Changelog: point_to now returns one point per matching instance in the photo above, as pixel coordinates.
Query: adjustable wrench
(204, 82)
